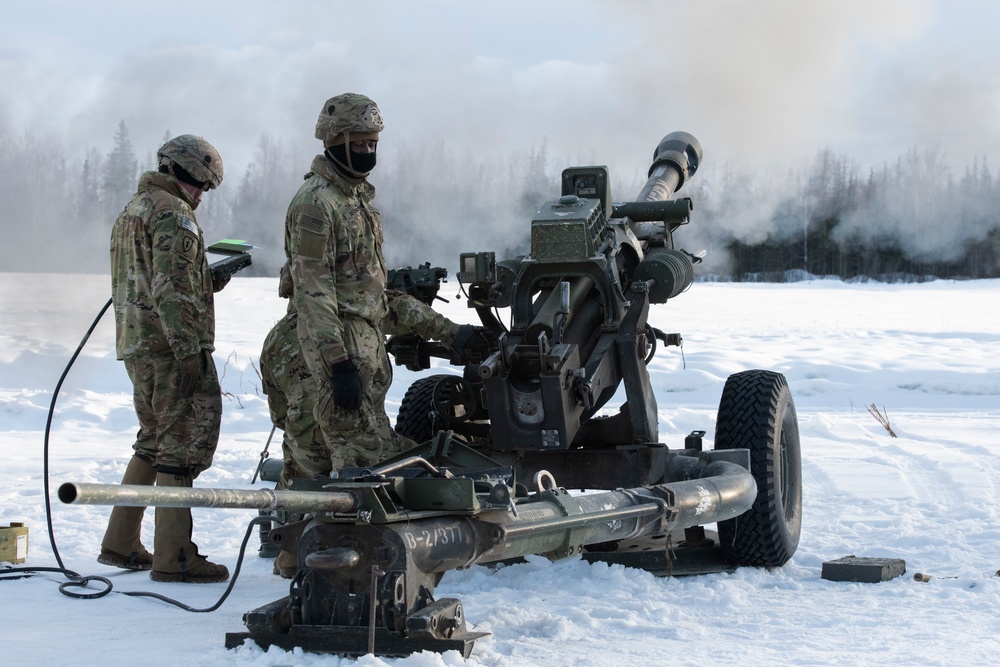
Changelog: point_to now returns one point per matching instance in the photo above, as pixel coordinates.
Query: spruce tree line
(910, 219)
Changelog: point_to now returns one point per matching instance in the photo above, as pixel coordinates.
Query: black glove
(346, 385)
(472, 341)
(190, 374)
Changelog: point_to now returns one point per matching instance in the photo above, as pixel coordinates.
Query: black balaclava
(181, 174)
(351, 163)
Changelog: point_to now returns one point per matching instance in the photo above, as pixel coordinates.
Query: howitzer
(504, 441)
(577, 332)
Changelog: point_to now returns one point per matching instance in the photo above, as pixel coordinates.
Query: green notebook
(230, 245)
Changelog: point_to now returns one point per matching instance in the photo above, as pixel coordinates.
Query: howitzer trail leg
(175, 556)
(121, 546)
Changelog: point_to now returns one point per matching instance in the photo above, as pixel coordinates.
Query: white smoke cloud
(753, 80)
(761, 84)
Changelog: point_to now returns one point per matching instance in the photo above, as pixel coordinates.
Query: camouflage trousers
(319, 437)
(288, 385)
(176, 434)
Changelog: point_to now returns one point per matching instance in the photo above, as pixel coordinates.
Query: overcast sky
(600, 82)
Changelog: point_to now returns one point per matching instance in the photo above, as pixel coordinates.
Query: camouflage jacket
(161, 286)
(335, 268)
(333, 248)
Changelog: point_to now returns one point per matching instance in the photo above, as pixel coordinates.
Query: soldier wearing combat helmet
(164, 307)
(324, 365)
(349, 126)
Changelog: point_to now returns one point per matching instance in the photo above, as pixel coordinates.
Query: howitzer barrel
(134, 495)
(675, 160)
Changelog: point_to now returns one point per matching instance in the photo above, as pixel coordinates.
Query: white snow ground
(928, 354)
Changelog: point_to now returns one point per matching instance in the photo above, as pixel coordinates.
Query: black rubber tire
(756, 412)
(415, 418)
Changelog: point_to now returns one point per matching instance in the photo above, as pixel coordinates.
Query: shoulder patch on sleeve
(309, 223)
(310, 217)
(188, 224)
(311, 243)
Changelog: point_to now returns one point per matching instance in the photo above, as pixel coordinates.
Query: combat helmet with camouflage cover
(348, 117)
(195, 156)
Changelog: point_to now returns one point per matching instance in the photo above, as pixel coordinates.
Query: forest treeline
(911, 219)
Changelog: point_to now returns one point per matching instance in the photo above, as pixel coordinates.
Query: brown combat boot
(286, 564)
(175, 556)
(121, 546)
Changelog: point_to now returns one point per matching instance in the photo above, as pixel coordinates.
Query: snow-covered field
(927, 355)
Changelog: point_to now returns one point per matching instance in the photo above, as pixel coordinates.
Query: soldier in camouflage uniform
(164, 307)
(339, 310)
(288, 384)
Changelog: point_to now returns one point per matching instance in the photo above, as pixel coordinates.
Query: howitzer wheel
(416, 416)
(756, 412)
(439, 403)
